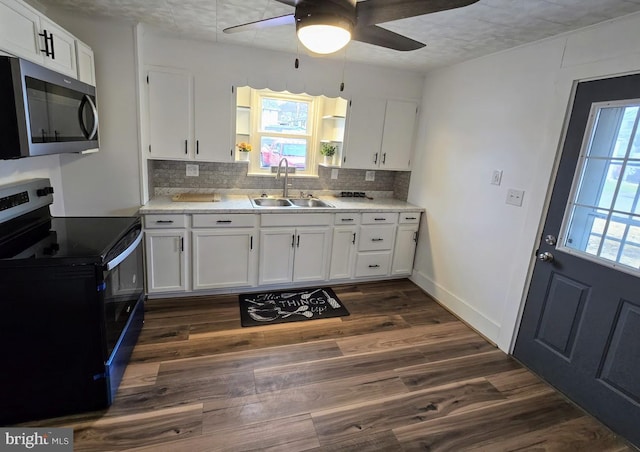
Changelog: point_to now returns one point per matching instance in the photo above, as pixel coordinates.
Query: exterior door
(580, 329)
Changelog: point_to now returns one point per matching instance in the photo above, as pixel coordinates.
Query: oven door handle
(122, 256)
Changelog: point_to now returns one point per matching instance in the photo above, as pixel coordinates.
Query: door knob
(546, 256)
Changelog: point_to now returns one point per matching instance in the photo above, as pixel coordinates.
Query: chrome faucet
(285, 188)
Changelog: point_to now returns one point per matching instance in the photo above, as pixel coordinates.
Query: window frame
(311, 137)
(608, 214)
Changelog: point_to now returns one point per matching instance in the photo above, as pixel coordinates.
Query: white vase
(243, 156)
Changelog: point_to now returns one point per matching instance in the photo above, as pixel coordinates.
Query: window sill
(295, 176)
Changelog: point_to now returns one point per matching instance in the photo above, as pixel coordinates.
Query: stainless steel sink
(271, 202)
(308, 202)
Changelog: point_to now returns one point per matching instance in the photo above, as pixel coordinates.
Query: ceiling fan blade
(371, 12)
(382, 37)
(264, 23)
(289, 2)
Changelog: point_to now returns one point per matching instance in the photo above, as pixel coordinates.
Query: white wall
(106, 183)
(505, 111)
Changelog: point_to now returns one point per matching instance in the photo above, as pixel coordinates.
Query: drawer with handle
(347, 218)
(380, 218)
(375, 238)
(221, 220)
(373, 264)
(409, 217)
(165, 221)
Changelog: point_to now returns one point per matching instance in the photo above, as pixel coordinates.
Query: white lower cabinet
(294, 254)
(166, 253)
(224, 250)
(343, 252)
(404, 248)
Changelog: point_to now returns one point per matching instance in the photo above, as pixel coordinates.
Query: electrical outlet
(514, 197)
(370, 176)
(193, 170)
(334, 173)
(496, 177)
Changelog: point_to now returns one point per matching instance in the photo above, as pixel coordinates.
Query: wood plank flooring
(400, 373)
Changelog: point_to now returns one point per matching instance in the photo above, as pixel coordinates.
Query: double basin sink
(289, 202)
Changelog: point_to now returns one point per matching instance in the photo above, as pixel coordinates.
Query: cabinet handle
(410, 218)
(224, 221)
(374, 266)
(251, 243)
(375, 159)
(164, 221)
(293, 240)
(354, 238)
(53, 51)
(384, 158)
(298, 244)
(415, 236)
(181, 244)
(197, 146)
(380, 219)
(347, 219)
(186, 150)
(377, 240)
(46, 43)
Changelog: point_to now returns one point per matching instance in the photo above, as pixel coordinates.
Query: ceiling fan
(325, 26)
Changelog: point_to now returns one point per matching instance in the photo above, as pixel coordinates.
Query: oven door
(123, 310)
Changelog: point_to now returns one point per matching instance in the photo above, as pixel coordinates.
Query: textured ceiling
(485, 27)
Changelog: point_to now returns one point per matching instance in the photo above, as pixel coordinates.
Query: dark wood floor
(400, 373)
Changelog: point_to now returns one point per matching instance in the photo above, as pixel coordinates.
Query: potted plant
(328, 151)
(243, 148)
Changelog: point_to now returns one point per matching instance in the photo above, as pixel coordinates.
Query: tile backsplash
(172, 174)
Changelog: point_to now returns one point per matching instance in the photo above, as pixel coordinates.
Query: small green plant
(328, 150)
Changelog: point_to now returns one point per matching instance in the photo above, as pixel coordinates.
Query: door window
(602, 220)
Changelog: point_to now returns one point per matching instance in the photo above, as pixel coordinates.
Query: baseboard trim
(467, 313)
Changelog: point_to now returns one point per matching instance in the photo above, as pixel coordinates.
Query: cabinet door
(170, 109)
(311, 261)
(85, 62)
(223, 258)
(397, 137)
(404, 250)
(343, 252)
(365, 120)
(166, 261)
(63, 49)
(19, 28)
(276, 255)
(213, 119)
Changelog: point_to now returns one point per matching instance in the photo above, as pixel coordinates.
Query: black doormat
(289, 306)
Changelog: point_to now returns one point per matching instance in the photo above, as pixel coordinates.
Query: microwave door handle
(88, 135)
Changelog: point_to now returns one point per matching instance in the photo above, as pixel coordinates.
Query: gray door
(580, 329)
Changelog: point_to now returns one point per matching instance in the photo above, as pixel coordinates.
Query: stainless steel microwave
(44, 112)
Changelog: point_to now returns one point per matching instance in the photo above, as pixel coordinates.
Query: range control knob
(44, 191)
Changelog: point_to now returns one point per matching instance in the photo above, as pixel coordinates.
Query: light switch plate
(514, 197)
(193, 170)
(370, 176)
(334, 173)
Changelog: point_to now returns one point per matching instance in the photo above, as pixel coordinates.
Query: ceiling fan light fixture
(324, 38)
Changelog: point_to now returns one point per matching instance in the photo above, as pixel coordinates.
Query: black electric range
(72, 298)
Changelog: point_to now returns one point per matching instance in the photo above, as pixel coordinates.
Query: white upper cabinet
(85, 63)
(187, 119)
(365, 119)
(170, 112)
(380, 134)
(28, 34)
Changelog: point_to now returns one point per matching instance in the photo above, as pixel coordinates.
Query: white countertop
(242, 204)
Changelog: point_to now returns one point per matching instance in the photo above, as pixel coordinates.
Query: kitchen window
(281, 125)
